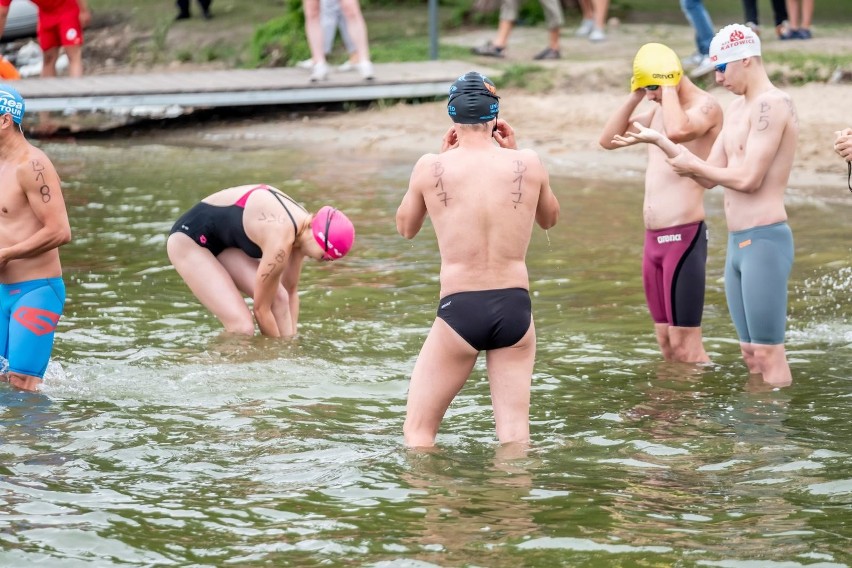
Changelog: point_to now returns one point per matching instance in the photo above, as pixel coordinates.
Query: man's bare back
(482, 202)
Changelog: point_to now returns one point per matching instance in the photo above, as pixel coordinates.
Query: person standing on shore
(60, 25)
(593, 25)
(701, 23)
(553, 18)
(752, 159)
(483, 199)
(355, 25)
(801, 13)
(779, 12)
(184, 13)
(675, 252)
(34, 225)
(333, 21)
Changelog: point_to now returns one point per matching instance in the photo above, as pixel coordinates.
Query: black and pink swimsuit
(217, 227)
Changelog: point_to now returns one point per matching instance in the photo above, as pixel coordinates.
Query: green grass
(525, 76)
(798, 68)
(271, 32)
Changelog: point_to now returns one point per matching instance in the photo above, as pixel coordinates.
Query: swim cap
(732, 43)
(655, 64)
(11, 102)
(473, 99)
(334, 232)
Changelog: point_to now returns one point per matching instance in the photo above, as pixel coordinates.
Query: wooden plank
(239, 87)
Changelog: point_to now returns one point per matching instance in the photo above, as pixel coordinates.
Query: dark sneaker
(547, 53)
(803, 33)
(488, 50)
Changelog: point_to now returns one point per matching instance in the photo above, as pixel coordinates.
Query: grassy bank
(143, 33)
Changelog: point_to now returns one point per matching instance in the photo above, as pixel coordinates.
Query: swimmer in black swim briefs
(483, 197)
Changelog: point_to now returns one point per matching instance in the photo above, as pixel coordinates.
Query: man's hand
(843, 144)
(684, 163)
(504, 135)
(451, 139)
(642, 134)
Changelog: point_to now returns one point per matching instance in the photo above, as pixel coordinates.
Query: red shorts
(60, 27)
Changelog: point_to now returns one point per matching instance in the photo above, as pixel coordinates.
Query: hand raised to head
(450, 140)
(504, 134)
(843, 144)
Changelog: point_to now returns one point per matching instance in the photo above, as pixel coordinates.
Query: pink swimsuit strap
(241, 202)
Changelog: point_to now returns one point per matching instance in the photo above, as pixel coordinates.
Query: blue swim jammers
(757, 268)
(29, 312)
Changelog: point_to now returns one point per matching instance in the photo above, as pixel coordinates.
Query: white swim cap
(732, 43)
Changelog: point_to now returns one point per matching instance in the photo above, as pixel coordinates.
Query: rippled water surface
(159, 442)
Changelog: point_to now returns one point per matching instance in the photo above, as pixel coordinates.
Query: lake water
(159, 442)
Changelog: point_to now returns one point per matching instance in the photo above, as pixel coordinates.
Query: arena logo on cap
(664, 76)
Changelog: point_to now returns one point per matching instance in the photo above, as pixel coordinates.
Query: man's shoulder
(772, 101)
(773, 94)
(27, 157)
(705, 98)
(426, 159)
(515, 152)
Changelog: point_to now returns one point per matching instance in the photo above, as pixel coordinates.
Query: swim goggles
(849, 176)
(328, 217)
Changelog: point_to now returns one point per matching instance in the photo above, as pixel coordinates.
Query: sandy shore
(563, 122)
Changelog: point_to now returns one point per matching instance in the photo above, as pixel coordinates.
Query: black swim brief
(488, 319)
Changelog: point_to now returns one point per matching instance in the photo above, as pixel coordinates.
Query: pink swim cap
(334, 232)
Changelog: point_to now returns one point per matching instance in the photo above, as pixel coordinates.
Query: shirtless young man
(751, 159)
(482, 200)
(33, 225)
(675, 256)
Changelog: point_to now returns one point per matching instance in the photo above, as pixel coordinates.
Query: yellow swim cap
(655, 64)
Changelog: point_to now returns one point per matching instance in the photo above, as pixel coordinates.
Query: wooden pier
(237, 87)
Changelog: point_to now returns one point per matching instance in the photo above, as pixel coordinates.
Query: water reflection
(469, 506)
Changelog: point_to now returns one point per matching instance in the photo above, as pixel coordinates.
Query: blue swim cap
(473, 99)
(11, 102)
